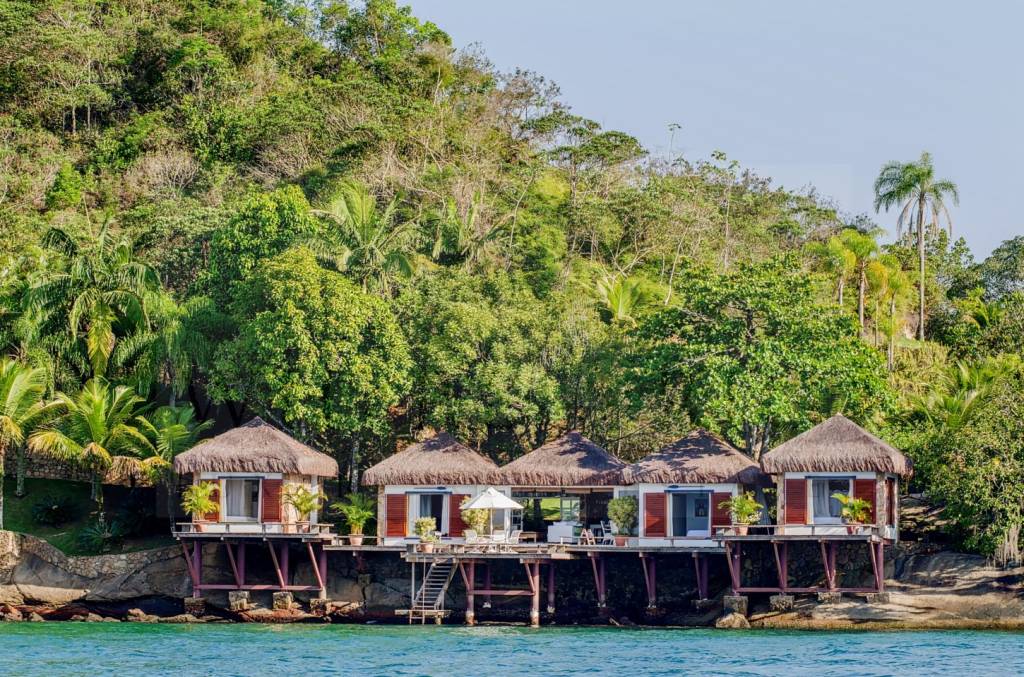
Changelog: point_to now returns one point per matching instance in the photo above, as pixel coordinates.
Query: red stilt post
(233, 563)
(317, 573)
(597, 564)
(534, 572)
(241, 562)
(700, 567)
(284, 563)
(881, 566)
(785, 566)
(470, 598)
(191, 569)
(323, 572)
(197, 565)
(650, 579)
(551, 587)
(487, 584)
(277, 565)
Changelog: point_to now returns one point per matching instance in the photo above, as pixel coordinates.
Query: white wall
(731, 489)
(412, 507)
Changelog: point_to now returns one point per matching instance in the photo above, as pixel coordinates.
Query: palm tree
(98, 294)
(100, 429)
(621, 297)
(172, 430)
(862, 246)
(462, 235)
(894, 290)
(22, 408)
(836, 259)
(913, 188)
(368, 242)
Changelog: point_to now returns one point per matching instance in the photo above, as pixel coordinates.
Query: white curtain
(236, 498)
(822, 498)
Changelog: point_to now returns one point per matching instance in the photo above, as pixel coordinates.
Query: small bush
(100, 538)
(53, 511)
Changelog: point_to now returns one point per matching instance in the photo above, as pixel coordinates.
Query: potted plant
(744, 510)
(305, 502)
(197, 501)
(425, 528)
(623, 512)
(357, 509)
(855, 512)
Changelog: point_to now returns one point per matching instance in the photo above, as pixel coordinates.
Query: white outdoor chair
(471, 536)
(607, 537)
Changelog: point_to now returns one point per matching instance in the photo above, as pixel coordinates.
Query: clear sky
(810, 92)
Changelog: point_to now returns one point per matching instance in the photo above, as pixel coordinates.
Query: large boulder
(733, 621)
(34, 572)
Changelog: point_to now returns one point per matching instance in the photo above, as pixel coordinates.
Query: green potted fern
(197, 501)
(357, 510)
(856, 512)
(744, 510)
(305, 503)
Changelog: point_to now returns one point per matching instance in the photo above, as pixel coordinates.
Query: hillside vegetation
(323, 214)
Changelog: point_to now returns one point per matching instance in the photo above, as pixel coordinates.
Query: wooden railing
(252, 528)
(740, 530)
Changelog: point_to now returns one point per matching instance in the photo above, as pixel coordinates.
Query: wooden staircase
(429, 599)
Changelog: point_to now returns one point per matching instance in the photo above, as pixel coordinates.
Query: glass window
(432, 505)
(242, 499)
(826, 508)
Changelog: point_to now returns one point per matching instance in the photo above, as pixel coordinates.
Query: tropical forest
(324, 214)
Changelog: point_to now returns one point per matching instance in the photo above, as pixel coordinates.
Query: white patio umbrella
(491, 499)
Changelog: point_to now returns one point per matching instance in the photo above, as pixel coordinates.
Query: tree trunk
(862, 283)
(3, 453)
(97, 496)
(842, 288)
(19, 471)
(920, 254)
(172, 483)
(353, 471)
(891, 353)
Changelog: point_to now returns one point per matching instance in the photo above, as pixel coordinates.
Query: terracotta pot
(200, 526)
(355, 539)
(851, 529)
(302, 527)
(742, 529)
(426, 547)
(621, 540)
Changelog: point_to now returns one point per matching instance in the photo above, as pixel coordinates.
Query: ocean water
(139, 650)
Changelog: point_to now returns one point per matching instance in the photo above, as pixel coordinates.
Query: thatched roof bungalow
(254, 467)
(683, 486)
(431, 478)
(837, 457)
(572, 460)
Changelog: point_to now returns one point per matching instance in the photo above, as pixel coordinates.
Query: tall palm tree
(100, 429)
(23, 407)
(921, 199)
(370, 243)
(172, 430)
(97, 295)
(462, 235)
(894, 291)
(862, 246)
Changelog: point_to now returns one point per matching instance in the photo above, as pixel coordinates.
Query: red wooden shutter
(865, 489)
(890, 498)
(795, 506)
(720, 517)
(215, 497)
(395, 515)
(456, 527)
(654, 515)
(271, 500)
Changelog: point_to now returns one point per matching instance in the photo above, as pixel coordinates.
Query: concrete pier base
(319, 607)
(534, 618)
(470, 617)
(877, 598)
(781, 602)
(283, 601)
(830, 597)
(195, 606)
(736, 604)
(238, 600)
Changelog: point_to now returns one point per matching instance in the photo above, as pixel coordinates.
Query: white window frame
(810, 495)
(670, 509)
(225, 517)
(414, 510)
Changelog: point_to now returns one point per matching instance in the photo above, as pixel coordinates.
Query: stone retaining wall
(41, 466)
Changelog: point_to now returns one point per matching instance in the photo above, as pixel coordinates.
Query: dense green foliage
(323, 214)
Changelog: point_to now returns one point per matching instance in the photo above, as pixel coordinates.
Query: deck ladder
(429, 599)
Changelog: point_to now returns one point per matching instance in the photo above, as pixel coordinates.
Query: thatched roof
(439, 460)
(570, 461)
(837, 445)
(698, 458)
(258, 447)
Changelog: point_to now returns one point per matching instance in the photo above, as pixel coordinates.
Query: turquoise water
(134, 650)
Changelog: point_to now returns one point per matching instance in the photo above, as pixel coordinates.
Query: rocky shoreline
(926, 590)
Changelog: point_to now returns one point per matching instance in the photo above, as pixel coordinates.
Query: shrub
(623, 512)
(425, 528)
(53, 511)
(101, 537)
(744, 508)
(357, 509)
